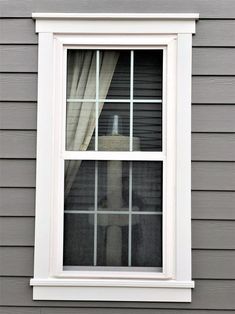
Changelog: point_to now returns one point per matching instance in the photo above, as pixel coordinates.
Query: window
(113, 208)
(113, 157)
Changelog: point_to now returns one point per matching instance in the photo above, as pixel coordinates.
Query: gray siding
(213, 156)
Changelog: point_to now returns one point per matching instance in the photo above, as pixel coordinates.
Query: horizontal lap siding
(205, 175)
(207, 264)
(213, 147)
(206, 8)
(214, 205)
(209, 89)
(206, 61)
(17, 201)
(209, 33)
(213, 156)
(205, 118)
(31, 310)
(206, 234)
(208, 294)
(18, 115)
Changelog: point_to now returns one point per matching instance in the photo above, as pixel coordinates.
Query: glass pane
(114, 82)
(147, 241)
(101, 189)
(113, 186)
(114, 127)
(147, 186)
(78, 240)
(79, 185)
(147, 126)
(112, 240)
(148, 74)
(80, 126)
(81, 74)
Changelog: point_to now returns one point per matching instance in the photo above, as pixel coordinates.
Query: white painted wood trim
(119, 23)
(120, 294)
(112, 283)
(183, 161)
(161, 16)
(115, 41)
(112, 290)
(118, 26)
(100, 155)
(169, 183)
(44, 165)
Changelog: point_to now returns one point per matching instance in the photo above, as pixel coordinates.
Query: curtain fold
(81, 115)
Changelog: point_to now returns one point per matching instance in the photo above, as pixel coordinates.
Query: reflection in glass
(79, 185)
(97, 197)
(114, 127)
(78, 239)
(147, 126)
(147, 186)
(148, 74)
(113, 192)
(110, 93)
(112, 241)
(115, 74)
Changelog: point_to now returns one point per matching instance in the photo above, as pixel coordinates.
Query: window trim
(132, 31)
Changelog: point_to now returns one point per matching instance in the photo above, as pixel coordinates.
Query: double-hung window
(113, 157)
(113, 199)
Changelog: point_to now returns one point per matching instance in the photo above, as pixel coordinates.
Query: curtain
(81, 115)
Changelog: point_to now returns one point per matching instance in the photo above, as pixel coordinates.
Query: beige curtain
(81, 115)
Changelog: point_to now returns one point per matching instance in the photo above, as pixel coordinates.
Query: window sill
(112, 290)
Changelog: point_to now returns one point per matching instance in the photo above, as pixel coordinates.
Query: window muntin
(120, 204)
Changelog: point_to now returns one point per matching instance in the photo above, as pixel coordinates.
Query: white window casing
(57, 33)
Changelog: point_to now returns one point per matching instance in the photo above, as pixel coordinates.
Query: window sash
(131, 100)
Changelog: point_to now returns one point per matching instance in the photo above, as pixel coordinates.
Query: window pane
(119, 204)
(114, 127)
(147, 126)
(148, 74)
(113, 186)
(78, 239)
(79, 185)
(114, 111)
(114, 82)
(81, 74)
(80, 126)
(147, 186)
(147, 241)
(112, 240)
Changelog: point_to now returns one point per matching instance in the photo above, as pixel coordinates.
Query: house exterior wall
(213, 155)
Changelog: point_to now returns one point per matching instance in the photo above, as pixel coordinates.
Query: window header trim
(122, 23)
(161, 16)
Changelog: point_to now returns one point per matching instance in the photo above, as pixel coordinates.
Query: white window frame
(173, 34)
